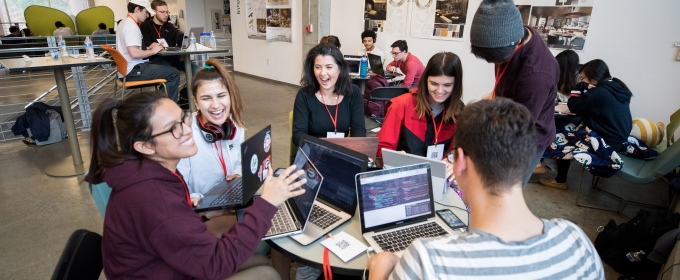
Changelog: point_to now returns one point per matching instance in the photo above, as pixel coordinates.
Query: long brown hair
(131, 122)
(441, 64)
(216, 71)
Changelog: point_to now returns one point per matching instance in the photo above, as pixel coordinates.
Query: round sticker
(267, 142)
(253, 164)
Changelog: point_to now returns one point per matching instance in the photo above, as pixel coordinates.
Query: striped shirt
(563, 251)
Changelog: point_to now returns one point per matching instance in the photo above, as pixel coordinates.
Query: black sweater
(606, 110)
(310, 115)
(150, 32)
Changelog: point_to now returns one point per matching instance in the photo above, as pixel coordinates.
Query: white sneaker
(307, 273)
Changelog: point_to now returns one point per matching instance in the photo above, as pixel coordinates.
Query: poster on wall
(277, 2)
(375, 14)
(256, 19)
(438, 19)
(279, 25)
(563, 25)
(397, 17)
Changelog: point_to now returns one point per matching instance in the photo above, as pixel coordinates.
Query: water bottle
(363, 67)
(192, 42)
(205, 38)
(89, 49)
(213, 40)
(62, 47)
(635, 256)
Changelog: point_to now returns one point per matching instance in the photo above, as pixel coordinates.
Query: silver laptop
(354, 65)
(396, 207)
(392, 159)
(337, 199)
(293, 215)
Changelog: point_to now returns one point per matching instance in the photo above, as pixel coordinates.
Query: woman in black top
(327, 105)
(604, 106)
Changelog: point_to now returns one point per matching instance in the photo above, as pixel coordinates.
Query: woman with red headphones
(218, 130)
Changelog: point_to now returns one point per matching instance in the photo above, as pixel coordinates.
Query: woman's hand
(233, 176)
(194, 201)
(277, 190)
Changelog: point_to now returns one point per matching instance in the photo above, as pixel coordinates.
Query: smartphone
(451, 219)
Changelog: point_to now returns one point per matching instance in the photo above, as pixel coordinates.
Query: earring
(153, 152)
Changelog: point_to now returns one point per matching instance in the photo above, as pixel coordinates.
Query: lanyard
(133, 19)
(334, 120)
(441, 124)
(327, 272)
(499, 75)
(158, 31)
(186, 189)
(220, 158)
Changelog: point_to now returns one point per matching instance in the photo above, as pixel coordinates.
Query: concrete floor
(40, 212)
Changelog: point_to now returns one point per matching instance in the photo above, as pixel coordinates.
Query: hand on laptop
(381, 265)
(233, 176)
(277, 190)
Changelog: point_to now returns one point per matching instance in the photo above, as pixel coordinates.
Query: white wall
(209, 5)
(119, 7)
(634, 38)
(250, 56)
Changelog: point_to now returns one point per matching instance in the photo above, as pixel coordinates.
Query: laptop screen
(354, 65)
(339, 169)
(376, 64)
(394, 196)
(305, 201)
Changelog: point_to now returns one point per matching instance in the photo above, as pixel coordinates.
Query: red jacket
(412, 68)
(402, 130)
(151, 232)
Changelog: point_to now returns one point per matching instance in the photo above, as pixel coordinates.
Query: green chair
(672, 127)
(639, 171)
(88, 20)
(41, 20)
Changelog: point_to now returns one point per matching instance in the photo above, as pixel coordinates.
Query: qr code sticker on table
(342, 244)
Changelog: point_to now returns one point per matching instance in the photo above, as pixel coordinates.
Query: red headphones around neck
(213, 133)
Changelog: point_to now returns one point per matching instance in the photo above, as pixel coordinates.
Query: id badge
(435, 151)
(162, 42)
(335, 135)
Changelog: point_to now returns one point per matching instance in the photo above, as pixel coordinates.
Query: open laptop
(365, 145)
(178, 43)
(336, 202)
(255, 161)
(396, 207)
(354, 65)
(376, 65)
(293, 215)
(392, 159)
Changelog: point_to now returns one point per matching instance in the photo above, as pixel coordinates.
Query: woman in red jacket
(425, 120)
(150, 229)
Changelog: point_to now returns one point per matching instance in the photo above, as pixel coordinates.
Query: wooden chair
(121, 66)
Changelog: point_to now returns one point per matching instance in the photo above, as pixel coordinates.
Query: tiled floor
(40, 212)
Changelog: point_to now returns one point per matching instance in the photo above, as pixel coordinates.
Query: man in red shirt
(408, 63)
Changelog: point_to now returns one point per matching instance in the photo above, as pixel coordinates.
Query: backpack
(374, 108)
(640, 233)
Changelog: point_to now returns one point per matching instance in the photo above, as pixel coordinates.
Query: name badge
(162, 42)
(435, 151)
(335, 135)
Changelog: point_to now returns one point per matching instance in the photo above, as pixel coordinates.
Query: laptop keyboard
(233, 194)
(398, 240)
(282, 222)
(322, 218)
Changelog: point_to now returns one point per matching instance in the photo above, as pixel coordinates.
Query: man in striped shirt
(494, 142)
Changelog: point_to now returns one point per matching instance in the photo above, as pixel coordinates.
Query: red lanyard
(498, 76)
(334, 120)
(220, 158)
(327, 272)
(133, 19)
(186, 189)
(441, 124)
(158, 31)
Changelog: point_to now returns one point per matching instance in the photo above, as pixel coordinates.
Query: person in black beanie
(526, 71)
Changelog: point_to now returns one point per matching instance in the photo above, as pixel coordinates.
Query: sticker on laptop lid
(267, 142)
(253, 164)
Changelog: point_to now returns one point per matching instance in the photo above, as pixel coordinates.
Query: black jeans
(174, 62)
(149, 71)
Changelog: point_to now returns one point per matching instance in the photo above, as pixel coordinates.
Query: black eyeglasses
(177, 128)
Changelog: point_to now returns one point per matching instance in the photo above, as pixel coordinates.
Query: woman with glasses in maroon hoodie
(150, 229)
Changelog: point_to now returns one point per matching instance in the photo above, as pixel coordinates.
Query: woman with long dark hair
(327, 105)
(150, 229)
(604, 107)
(426, 117)
(568, 62)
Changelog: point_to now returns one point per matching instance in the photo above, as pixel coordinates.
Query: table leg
(63, 169)
(189, 75)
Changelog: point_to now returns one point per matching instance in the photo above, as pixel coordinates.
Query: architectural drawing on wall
(277, 2)
(397, 16)
(422, 18)
(279, 25)
(256, 14)
(375, 14)
(449, 18)
(562, 26)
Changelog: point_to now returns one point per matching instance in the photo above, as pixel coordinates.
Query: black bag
(81, 258)
(640, 233)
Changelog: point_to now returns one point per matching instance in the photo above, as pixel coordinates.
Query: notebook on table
(396, 207)
(256, 159)
(336, 202)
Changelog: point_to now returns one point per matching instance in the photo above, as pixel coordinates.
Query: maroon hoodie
(151, 232)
